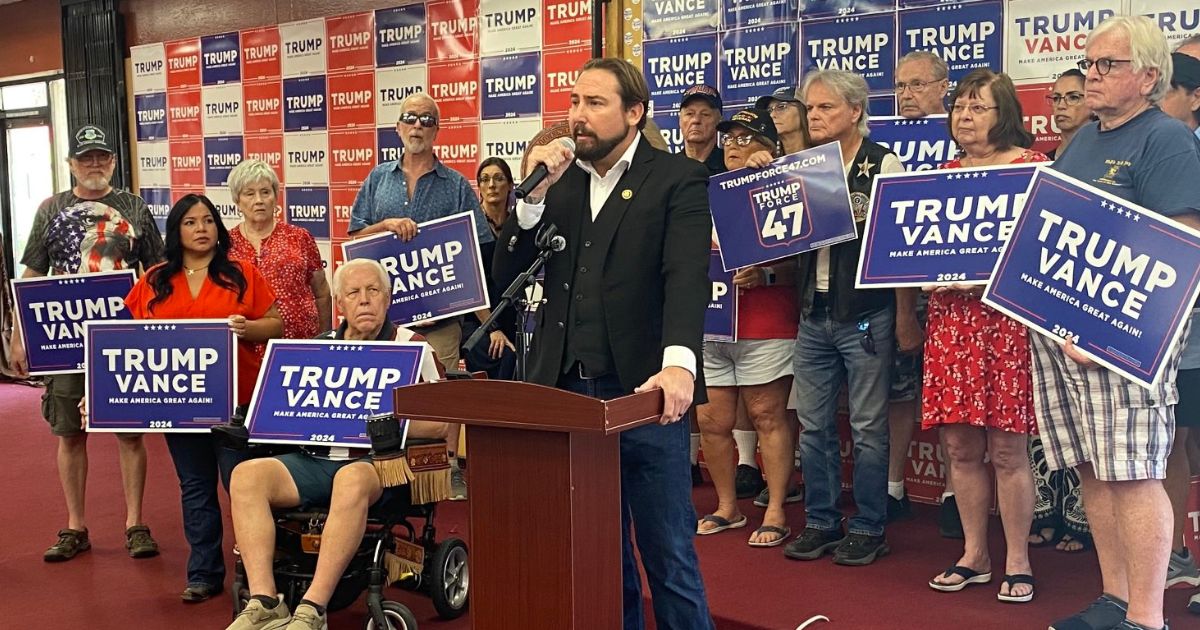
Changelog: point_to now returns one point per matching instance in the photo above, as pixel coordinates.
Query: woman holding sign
(286, 255)
(977, 384)
(199, 281)
(757, 368)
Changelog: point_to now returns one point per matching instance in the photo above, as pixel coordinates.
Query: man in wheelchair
(342, 479)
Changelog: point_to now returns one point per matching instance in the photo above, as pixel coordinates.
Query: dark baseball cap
(754, 120)
(787, 94)
(1186, 71)
(90, 138)
(706, 92)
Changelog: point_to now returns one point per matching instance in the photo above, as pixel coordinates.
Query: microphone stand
(514, 296)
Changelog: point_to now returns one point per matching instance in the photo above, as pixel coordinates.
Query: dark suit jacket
(656, 285)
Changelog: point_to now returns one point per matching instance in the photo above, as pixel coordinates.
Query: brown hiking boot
(70, 542)
(139, 543)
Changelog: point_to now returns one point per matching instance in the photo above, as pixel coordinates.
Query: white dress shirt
(529, 214)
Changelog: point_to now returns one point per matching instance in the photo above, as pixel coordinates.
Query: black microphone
(539, 173)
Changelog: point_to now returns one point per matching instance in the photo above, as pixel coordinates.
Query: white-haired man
(416, 188)
(1116, 433)
(340, 478)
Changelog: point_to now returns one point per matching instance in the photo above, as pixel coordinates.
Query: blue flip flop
(722, 524)
(969, 577)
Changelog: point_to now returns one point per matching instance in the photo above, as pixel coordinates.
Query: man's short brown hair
(630, 83)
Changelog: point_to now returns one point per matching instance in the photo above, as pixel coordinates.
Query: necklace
(192, 271)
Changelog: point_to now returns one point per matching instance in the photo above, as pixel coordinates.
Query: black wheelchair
(392, 552)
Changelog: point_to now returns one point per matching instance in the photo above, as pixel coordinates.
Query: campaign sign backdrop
(321, 392)
(674, 65)
(511, 85)
(720, 320)
(1119, 279)
(151, 112)
(53, 310)
(438, 274)
(920, 143)
(965, 36)
(757, 61)
(670, 18)
(940, 227)
(796, 204)
(740, 13)
(864, 45)
(162, 376)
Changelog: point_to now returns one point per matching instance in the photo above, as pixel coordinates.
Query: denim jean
(829, 352)
(199, 463)
(656, 499)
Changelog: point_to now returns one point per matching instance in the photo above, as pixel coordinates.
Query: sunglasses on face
(412, 118)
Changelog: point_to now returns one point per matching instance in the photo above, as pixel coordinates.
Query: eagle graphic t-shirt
(73, 235)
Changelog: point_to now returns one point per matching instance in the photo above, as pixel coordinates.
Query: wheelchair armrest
(233, 435)
(415, 441)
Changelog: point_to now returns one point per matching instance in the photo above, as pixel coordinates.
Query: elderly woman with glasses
(757, 368)
(977, 384)
(286, 255)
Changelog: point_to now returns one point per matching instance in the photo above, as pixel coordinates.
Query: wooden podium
(545, 497)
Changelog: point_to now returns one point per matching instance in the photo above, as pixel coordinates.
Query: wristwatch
(768, 276)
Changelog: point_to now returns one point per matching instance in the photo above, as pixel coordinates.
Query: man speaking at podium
(624, 312)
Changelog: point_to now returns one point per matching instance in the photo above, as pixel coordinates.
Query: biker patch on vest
(859, 203)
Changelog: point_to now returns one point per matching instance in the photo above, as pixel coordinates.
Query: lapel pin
(627, 194)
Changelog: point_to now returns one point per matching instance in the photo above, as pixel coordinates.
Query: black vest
(587, 332)
(846, 302)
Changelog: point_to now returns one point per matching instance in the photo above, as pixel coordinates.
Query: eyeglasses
(412, 118)
(867, 340)
(1104, 65)
(915, 86)
(976, 109)
(95, 158)
(488, 179)
(742, 141)
(778, 106)
(1070, 98)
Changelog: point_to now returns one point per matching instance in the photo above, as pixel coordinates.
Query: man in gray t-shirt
(90, 228)
(1117, 433)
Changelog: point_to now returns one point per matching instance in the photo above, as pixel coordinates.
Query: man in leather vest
(624, 312)
(845, 332)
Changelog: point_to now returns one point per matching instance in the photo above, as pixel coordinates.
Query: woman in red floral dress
(286, 255)
(977, 384)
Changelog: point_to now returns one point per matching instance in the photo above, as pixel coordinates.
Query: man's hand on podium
(678, 386)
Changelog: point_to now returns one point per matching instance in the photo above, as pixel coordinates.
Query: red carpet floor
(749, 589)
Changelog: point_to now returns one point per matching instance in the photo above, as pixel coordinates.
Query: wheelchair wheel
(398, 618)
(449, 579)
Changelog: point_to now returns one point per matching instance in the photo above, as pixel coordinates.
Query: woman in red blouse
(286, 255)
(977, 384)
(198, 281)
